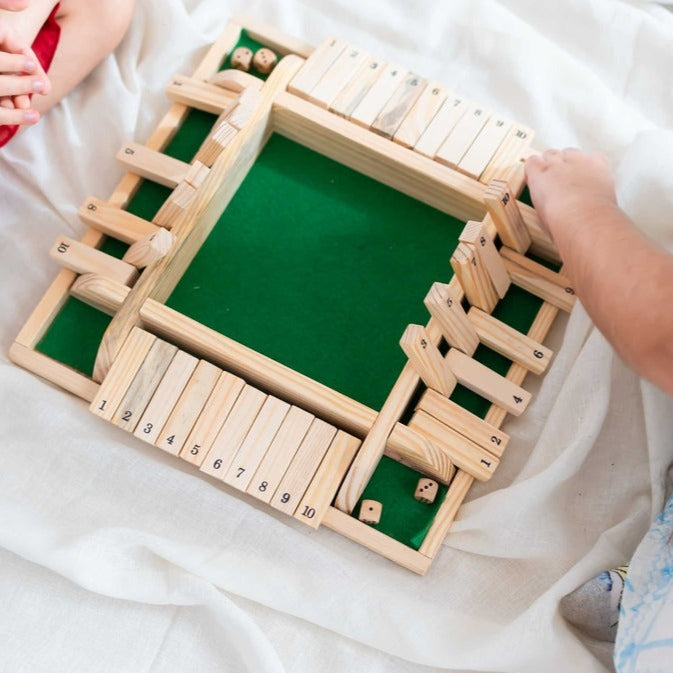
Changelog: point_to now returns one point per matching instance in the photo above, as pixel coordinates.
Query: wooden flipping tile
(485, 382)
(475, 234)
(378, 96)
(216, 142)
(420, 115)
(484, 147)
(114, 222)
(280, 454)
(188, 407)
(152, 165)
(464, 133)
(212, 418)
(463, 453)
(81, 258)
(506, 216)
(316, 66)
(339, 74)
(165, 397)
(510, 343)
(426, 359)
(398, 107)
(352, 94)
(473, 278)
(304, 465)
(463, 421)
(248, 102)
(324, 485)
(174, 205)
(149, 249)
(122, 372)
(233, 432)
(257, 441)
(145, 383)
(448, 311)
(538, 283)
(441, 126)
(200, 95)
(508, 155)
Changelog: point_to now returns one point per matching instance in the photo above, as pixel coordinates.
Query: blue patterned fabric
(645, 635)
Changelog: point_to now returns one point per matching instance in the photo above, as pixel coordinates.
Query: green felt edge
(77, 330)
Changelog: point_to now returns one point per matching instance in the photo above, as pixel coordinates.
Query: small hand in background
(20, 75)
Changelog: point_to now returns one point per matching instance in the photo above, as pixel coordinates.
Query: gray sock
(594, 607)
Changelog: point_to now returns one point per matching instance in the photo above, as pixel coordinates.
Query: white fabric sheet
(114, 557)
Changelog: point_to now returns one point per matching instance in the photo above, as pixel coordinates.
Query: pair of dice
(264, 60)
(370, 510)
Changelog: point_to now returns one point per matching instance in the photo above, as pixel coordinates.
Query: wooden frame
(276, 110)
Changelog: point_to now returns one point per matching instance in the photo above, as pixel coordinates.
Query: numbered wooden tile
(426, 490)
(316, 66)
(448, 311)
(144, 384)
(442, 124)
(188, 407)
(475, 234)
(282, 451)
(81, 258)
(370, 512)
(463, 421)
(337, 77)
(304, 465)
(504, 211)
(233, 432)
(257, 441)
(165, 397)
(485, 382)
(352, 94)
(212, 418)
(122, 372)
(426, 359)
(378, 95)
(420, 115)
(398, 107)
(325, 484)
(464, 133)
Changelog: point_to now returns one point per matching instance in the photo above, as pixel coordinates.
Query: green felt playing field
(320, 268)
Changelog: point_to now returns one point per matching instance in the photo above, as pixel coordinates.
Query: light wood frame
(281, 112)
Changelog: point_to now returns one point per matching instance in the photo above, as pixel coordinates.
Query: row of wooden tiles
(416, 113)
(256, 443)
(234, 96)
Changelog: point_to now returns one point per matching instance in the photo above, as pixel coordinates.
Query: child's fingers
(39, 70)
(7, 102)
(17, 63)
(22, 102)
(15, 85)
(10, 41)
(18, 117)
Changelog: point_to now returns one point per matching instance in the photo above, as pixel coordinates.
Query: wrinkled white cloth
(115, 557)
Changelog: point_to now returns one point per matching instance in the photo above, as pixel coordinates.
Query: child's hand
(567, 184)
(20, 74)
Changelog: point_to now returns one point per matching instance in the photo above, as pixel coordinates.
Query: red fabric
(44, 47)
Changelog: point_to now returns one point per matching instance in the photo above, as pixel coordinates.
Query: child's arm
(624, 281)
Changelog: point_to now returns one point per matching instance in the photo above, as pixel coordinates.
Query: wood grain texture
(445, 307)
(461, 420)
(166, 396)
(210, 421)
(114, 222)
(426, 359)
(485, 382)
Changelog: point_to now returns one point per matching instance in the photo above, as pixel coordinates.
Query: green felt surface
(320, 268)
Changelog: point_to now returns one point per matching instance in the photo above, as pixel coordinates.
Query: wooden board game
(339, 166)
